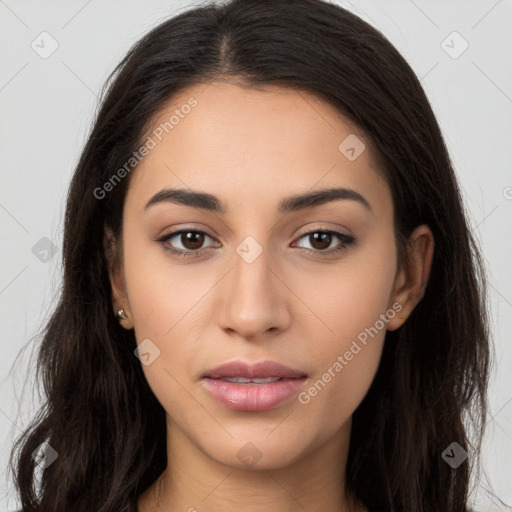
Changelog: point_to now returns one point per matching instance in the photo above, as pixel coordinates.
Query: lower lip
(252, 396)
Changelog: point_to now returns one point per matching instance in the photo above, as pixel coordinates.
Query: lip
(252, 396)
(259, 370)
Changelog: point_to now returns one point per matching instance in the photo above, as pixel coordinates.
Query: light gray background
(47, 106)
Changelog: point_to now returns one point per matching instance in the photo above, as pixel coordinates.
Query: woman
(271, 297)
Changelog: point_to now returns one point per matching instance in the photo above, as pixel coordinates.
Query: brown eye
(192, 239)
(321, 241)
(185, 242)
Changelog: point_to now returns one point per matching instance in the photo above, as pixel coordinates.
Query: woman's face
(267, 281)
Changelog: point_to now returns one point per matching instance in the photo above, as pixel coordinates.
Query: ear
(113, 255)
(411, 280)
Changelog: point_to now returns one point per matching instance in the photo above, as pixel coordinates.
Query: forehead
(254, 144)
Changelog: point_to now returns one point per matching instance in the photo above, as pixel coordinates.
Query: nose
(254, 296)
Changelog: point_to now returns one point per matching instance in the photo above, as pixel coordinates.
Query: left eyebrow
(319, 197)
(209, 202)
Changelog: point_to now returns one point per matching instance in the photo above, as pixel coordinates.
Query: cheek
(163, 296)
(353, 308)
(165, 301)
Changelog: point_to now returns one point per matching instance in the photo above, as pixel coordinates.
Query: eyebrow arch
(209, 202)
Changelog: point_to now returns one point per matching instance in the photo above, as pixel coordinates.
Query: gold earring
(121, 314)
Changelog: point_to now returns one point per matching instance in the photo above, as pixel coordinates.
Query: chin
(256, 452)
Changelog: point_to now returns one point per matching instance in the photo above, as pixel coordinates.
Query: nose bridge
(252, 273)
(252, 300)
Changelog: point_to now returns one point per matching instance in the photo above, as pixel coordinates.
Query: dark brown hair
(100, 415)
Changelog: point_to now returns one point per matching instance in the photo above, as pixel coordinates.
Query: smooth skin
(252, 148)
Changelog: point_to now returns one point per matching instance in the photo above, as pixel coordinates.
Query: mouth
(253, 387)
(244, 380)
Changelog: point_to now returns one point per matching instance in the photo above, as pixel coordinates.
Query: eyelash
(346, 240)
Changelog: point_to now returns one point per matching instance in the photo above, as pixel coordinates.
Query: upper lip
(259, 370)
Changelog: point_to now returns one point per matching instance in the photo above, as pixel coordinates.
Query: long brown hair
(100, 415)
